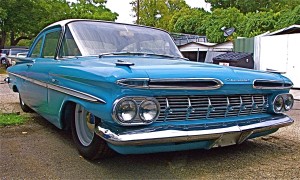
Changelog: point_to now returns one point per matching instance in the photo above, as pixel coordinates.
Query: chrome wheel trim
(85, 125)
(22, 102)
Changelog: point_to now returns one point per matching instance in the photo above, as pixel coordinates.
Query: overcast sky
(123, 8)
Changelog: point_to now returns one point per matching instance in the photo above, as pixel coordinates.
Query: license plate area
(227, 140)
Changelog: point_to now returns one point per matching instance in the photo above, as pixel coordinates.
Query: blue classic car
(127, 89)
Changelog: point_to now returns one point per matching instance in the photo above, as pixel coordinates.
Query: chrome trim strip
(62, 89)
(171, 134)
(217, 81)
(271, 81)
(40, 83)
(76, 93)
(122, 82)
(185, 80)
(146, 82)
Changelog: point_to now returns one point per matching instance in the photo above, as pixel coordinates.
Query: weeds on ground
(12, 119)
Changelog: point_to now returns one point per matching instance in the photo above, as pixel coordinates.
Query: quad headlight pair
(283, 102)
(136, 110)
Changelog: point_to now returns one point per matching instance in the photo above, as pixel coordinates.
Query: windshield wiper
(139, 53)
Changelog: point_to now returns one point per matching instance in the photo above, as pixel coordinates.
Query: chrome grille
(207, 107)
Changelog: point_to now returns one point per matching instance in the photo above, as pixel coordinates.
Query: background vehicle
(9, 55)
(3, 55)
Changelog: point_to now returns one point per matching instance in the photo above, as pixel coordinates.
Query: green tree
(91, 9)
(288, 17)
(190, 21)
(246, 6)
(230, 17)
(23, 19)
(258, 23)
(157, 13)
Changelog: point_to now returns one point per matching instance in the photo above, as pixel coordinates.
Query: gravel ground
(39, 150)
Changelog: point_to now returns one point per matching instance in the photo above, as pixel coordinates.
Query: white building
(278, 51)
(204, 51)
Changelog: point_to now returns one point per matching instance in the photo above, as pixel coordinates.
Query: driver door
(43, 55)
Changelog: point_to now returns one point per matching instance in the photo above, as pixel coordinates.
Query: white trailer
(281, 53)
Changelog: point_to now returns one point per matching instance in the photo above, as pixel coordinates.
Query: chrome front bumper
(220, 136)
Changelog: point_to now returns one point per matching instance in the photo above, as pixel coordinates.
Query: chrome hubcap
(85, 125)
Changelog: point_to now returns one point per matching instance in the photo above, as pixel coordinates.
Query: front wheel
(87, 142)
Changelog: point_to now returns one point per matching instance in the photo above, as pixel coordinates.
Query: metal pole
(138, 12)
(198, 55)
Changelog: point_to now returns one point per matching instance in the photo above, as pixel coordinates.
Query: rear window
(4, 51)
(16, 51)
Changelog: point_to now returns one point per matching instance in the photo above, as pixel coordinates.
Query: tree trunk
(2, 39)
(12, 38)
(14, 41)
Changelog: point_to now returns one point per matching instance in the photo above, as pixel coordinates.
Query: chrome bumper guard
(234, 134)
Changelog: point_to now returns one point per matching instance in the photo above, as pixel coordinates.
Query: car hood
(119, 74)
(160, 68)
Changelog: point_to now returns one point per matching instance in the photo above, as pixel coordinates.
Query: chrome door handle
(29, 65)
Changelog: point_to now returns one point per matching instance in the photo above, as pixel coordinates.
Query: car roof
(63, 23)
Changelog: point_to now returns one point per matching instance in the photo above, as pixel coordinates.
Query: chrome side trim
(172, 134)
(271, 87)
(40, 83)
(145, 83)
(76, 93)
(62, 89)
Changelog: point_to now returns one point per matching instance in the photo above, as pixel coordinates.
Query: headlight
(278, 103)
(288, 102)
(283, 102)
(126, 110)
(132, 111)
(148, 110)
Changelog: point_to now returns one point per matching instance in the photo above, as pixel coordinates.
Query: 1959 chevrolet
(127, 89)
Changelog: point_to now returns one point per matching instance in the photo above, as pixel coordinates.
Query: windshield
(96, 38)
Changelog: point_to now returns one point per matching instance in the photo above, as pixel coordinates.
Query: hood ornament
(124, 63)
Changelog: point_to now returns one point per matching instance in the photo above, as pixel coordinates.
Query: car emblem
(237, 80)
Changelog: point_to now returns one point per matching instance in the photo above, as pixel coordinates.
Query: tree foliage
(246, 6)
(219, 18)
(23, 19)
(258, 23)
(288, 17)
(249, 18)
(91, 9)
(157, 12)
(191, 21)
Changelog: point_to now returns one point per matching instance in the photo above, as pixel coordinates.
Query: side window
(36, 52)
(50, 44)
(69, 47)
